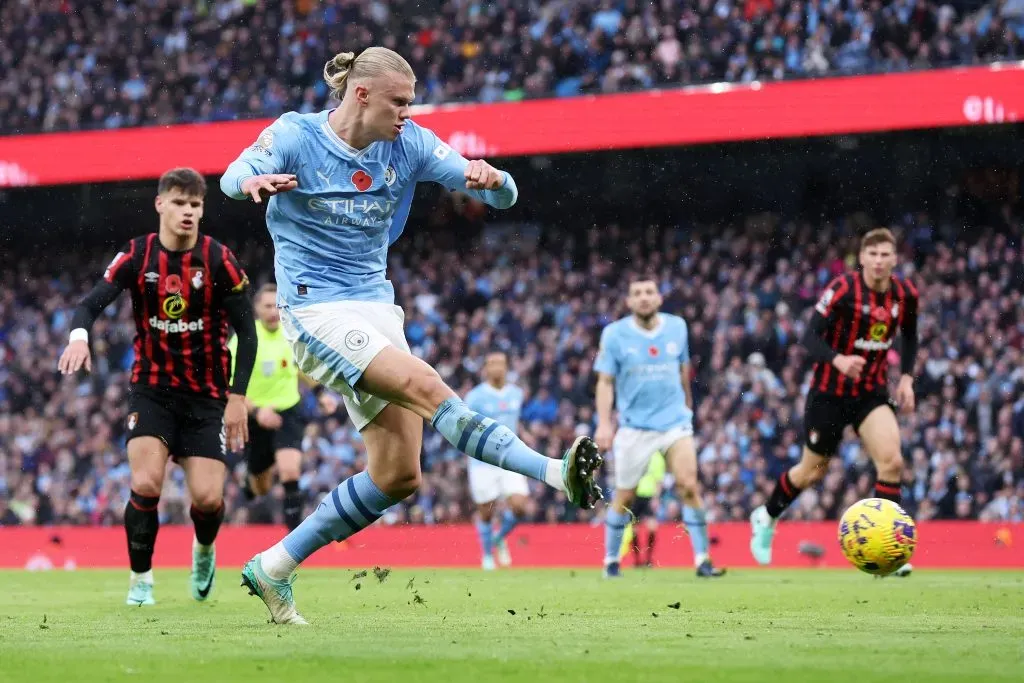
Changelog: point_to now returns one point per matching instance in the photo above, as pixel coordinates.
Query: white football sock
(553, 475)
(277, 563)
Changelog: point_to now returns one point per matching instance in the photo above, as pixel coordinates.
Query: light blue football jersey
(646, 366)
(331, 234)
(501, 405)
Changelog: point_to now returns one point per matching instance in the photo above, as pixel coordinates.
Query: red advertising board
(965, 545)
(705, 114)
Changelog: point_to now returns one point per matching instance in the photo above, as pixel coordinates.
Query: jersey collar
(652, 333)
(337, 144)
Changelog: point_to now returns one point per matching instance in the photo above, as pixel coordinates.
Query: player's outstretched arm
(264, 168)
(476, 178)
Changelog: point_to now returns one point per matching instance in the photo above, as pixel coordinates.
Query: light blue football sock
(354, 505)
(695, 520)
(484, 439)
(615, 524)
(484, 530)
(508, 523)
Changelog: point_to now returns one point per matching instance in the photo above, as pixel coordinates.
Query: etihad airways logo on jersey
(872, 345)
(346, 211)
(176, 326)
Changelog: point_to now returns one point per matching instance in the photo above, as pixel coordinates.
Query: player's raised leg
(515, 510)
(205, 479)
(880, 434)
(400, 378)
(147, 457)
(682, 458)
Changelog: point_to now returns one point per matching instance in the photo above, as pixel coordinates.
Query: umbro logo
(152, 277)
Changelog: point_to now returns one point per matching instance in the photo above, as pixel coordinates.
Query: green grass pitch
(454, 626)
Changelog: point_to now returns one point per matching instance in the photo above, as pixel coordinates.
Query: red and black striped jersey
(181, 324)
(859, 321)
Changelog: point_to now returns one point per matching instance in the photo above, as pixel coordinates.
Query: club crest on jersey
(198, 277)
(672, 349)
(172, 284)
(390, 176)
(361, 180)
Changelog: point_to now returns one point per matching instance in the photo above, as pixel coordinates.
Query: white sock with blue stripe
(354, 505)
(489, 441)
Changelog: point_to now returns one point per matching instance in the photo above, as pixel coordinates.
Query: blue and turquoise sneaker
(762, 531)
(579, 464)
(276, 595)
(140, 593)
(204, 569)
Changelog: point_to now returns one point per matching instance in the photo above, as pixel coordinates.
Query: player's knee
(207, 500)
(148, 484)
(688, 485)
(425, 388)
(806, 475)
(486, 511)
(260, 485)
(623, 499)
(889, 464)
(289, 469)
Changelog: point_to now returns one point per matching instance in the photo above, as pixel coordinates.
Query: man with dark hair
(186, 289)
(851, 331)
(643, 373)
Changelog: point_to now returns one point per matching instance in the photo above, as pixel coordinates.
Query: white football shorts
(633, 449)
(333, 343)
(488, 483)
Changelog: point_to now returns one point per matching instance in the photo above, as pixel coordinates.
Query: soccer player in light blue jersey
(497, 399)
(643, 367)
(340, 183)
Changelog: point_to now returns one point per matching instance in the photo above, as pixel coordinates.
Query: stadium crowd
(746, 289)
(71, 64)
